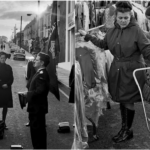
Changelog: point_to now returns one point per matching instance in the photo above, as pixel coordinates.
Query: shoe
(126, 135)
(119, 134)
(27, 124)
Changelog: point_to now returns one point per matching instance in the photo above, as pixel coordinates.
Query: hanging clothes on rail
(92, 14)
(109, 17)
(95, 97)
(78, 16)
(139, 14)
(84, 58)
(99, 16)
(86, 19)
(80, 133)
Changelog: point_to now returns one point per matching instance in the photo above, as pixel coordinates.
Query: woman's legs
(4, 114)
(128, 116)
(95, 136)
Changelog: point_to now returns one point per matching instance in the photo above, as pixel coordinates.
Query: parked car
(19, 55)
(14, 48)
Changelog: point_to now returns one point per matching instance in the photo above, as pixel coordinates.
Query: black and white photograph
(37, 46)
(112, 74)
(74, 74)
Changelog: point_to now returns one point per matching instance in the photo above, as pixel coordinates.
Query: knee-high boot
(122, 110)
(127, 134)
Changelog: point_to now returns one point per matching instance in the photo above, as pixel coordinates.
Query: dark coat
(6, 77)
(71, 84)
(30, 73)
(84, 58)
(38, 92)
(126, 45)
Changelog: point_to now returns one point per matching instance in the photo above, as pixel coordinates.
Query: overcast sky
(11, 12)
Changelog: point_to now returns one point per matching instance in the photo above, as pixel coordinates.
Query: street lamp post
(20, 31)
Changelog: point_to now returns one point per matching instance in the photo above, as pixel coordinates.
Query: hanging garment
(92, 15)
(71, 84)
(100, 4)
(79, 16)
(96, 97)
(83, 56)
(99, 16)
(109, 18)
(86, 20)
(80, 133)
(141, 19)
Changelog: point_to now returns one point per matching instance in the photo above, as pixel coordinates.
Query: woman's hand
(82, 32)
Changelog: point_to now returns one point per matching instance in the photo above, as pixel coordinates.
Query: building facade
(40, 26)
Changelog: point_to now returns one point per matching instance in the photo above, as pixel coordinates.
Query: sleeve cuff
(87, 37)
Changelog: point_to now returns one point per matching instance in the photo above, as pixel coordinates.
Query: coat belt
(124, 59)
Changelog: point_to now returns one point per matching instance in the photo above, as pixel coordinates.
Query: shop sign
(71, 20)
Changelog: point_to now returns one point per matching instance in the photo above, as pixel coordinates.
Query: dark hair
(45, 58)
(123, 6)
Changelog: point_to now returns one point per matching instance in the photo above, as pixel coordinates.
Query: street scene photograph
(37, 74)
(112, 74)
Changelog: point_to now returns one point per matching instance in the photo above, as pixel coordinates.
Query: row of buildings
(3, 39)
(38, 29)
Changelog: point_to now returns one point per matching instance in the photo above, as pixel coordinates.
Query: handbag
(22, 99)
(146, 88)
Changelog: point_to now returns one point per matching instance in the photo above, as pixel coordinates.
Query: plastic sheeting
(80, 133)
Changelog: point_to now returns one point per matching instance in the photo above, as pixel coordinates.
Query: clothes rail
(76, 34)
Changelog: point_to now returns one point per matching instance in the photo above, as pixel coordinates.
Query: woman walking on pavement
(126, 41)
(6, 80)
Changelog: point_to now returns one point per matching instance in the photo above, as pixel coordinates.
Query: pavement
(110, 124)
(59, 111)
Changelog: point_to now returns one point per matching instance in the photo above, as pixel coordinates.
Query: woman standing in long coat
(6, 80)
(126, 41)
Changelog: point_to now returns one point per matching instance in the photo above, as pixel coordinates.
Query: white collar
(40, 69)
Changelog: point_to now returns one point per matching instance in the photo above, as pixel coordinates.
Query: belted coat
(6, 77)
(126, 45)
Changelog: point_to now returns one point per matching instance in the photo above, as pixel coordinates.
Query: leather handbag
(22, 99)
(146, 88)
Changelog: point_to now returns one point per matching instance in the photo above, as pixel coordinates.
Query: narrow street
(59, 111)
